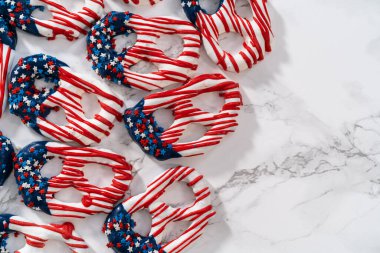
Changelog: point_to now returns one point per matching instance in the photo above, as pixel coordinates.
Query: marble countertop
(301, 173)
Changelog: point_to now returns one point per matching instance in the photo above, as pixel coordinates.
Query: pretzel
(117, 67)
(119, 224)
(33, 105)
(38, 192)
(165, 144)
(256, 32)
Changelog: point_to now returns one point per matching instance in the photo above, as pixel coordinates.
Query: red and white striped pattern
(170, 71)
(68, 96)
(37, 234)
(198, 213)
(142, 2)
(180, 102)
(67, 23)
(6, 54)
(256, 33)
(95, 199)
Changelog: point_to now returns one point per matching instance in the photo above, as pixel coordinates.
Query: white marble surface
(301, 174)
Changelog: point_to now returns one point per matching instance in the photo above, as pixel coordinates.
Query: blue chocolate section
(8, 34)
(108, 62)
(145, 131)
(7, 154)
(16, 13)
(21, 12)
(25, 100)
(122, 239)
(32, 186)
(192, 7)
(4, 231)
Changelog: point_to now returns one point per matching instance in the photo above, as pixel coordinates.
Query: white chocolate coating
(101, 200)
(65, 22)
(37, 234)
(5, 63)
(176, 70)
(68, 97)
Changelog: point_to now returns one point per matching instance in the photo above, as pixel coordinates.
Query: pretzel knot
(116, 67)
(119, 224)
(38, 192)
(33, 105)
(256, 32)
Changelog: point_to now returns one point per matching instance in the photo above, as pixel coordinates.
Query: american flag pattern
(119, 224)
(7, 154)
(63, 23)
(8, 40)
(116, 67)
(142, 2)
(164, 144)
(38, 191)
(256, 32)
(37, 234)
(33, 105)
